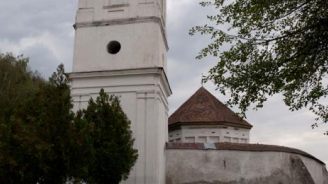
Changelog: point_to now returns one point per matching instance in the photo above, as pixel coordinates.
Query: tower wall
(142, 46)
(136, 73)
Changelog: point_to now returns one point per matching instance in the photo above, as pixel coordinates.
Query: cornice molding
(125, 72)
(125, 21)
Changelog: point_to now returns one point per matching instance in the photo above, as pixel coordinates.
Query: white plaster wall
(99, 10)
(134, 74)
(238, 135)
(144, 100)
(139, 25)
(141, 47)
(211, 166)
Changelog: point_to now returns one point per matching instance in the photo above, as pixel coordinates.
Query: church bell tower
(120, 46)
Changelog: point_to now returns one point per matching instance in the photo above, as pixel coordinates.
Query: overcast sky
(42, 30)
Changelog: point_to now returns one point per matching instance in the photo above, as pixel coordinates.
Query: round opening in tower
(113, 47)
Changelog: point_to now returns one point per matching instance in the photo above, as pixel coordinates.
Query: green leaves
(275, 47)
(112, 140)
(59, 78)
(43, 141)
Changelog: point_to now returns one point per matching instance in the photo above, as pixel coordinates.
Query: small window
(202, 139)
(178, 140)
(190, 139)
(227, 139)
(113, 47)
(214, 139)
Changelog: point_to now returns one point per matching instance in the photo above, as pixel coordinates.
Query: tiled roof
(204, 108)
(240, 147)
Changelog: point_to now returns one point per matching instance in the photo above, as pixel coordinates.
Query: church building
(121, 47)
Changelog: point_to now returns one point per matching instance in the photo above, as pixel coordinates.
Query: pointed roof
(202, 108)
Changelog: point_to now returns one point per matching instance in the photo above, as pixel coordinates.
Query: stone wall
(226, 163)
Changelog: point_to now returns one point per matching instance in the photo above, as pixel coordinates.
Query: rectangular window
(235, 140)
(214, 139)
(227, 139)
(202, 139)
(190, 139)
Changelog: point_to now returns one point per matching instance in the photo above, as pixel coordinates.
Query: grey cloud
(25, 18)
(45, 62)
(22, 19)
(184, 70)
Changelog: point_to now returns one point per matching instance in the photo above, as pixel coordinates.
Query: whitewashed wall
(137, 73)
(209, 134)
(187, 166)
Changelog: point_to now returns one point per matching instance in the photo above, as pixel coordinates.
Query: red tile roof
(203, 108)
(240, 147)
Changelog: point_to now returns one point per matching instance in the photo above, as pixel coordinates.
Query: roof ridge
(204, 107)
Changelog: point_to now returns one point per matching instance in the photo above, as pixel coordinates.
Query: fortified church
(121, 46)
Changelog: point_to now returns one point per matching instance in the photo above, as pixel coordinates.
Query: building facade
(120, 46)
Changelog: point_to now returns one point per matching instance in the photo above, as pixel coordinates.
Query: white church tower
(120, 46)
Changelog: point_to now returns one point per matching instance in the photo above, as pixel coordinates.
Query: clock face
(113, 47)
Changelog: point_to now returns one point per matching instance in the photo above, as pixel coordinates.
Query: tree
(113, 153)
(43, 141)
(36, 125)
(17, 83)
(49, 112)
(276, 46)
(18, 161)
